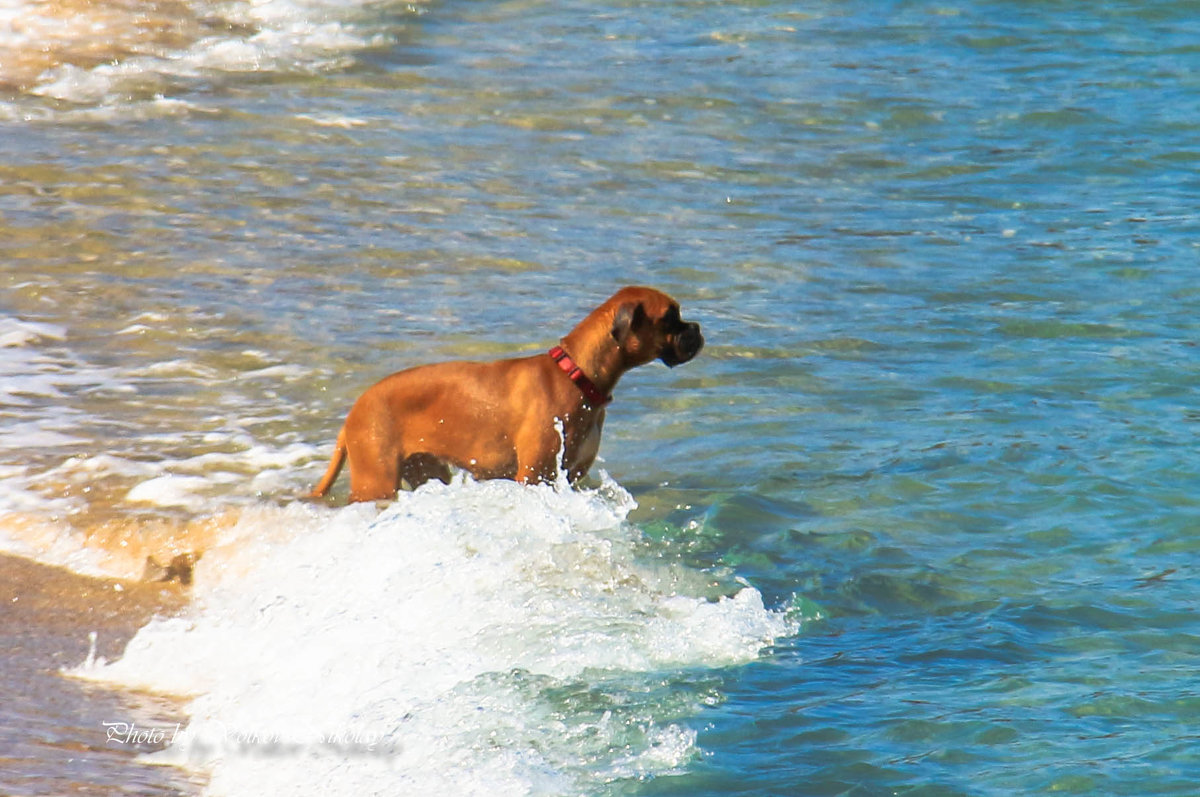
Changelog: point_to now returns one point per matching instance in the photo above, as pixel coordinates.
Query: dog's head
(647, 326)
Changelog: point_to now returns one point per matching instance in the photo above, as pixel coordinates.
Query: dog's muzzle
(683, 345)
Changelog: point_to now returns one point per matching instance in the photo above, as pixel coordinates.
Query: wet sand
(53, 738)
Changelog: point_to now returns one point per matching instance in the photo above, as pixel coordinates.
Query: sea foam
(107, 53)
(476, 638)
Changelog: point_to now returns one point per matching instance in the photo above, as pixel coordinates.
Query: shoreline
(53, 725)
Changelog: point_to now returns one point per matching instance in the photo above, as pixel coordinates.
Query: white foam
(14, 332)
(177, 369)
(33, 526)
(248, 470)
(77, 488)
(429, 638)
(276, 373)
(32, 367)
(104, 54)
(330, 120)
(171, 490)
(36, 436)
(26, 372)
(55, 545)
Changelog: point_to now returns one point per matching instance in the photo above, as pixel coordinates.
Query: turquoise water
(944, 257)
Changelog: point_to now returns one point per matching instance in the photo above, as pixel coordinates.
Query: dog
(526, 418)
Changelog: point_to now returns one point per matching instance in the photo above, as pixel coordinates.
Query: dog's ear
(629, 316)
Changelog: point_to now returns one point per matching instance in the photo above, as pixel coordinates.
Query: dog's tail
(335, 466)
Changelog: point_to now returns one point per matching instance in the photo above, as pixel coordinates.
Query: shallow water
(942, 428)
(53, 735)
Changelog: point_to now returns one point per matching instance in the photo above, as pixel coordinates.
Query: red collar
(585, 385)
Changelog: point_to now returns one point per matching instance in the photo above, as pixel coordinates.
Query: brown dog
(519, 419)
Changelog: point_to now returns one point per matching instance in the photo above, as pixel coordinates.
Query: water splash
(441, 639)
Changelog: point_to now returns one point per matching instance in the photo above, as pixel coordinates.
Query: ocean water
(920, 519)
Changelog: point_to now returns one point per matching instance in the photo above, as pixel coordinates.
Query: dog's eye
(671, 317)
